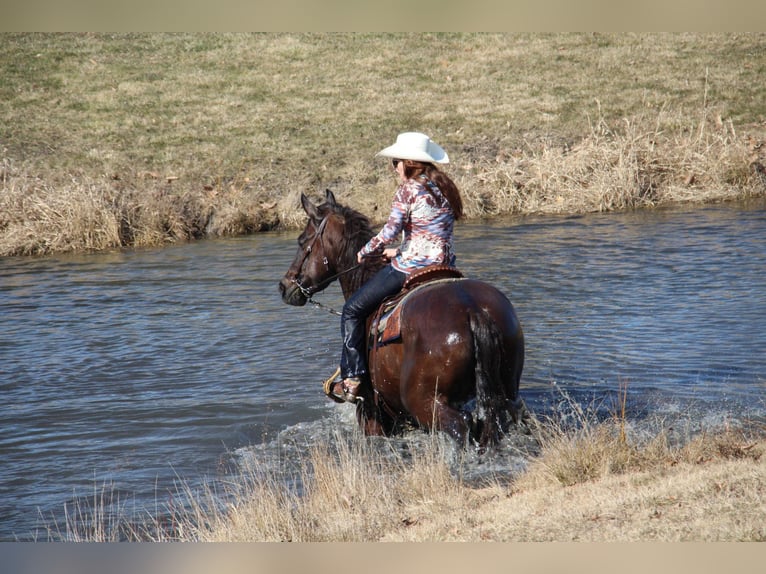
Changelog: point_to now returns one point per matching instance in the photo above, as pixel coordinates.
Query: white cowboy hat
(415, 146)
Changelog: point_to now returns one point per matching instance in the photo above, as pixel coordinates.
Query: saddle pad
(389, 328)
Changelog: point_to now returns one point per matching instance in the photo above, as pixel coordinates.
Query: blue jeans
(353, 358)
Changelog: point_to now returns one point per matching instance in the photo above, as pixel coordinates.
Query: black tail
(492, 401)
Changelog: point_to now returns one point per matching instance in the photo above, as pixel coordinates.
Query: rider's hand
(390, 252)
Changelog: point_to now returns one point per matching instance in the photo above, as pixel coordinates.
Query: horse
(457, 362)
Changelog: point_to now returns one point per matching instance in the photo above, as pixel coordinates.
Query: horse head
(323, 251)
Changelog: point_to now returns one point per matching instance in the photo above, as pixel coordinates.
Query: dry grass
(346, 493)
(636, 164)
(589, 482)
(140, 139)
(718, 501)
(597, 487)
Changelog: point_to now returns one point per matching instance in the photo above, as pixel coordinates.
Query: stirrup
(328, 385)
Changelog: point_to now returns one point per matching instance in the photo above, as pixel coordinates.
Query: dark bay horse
(457, 364)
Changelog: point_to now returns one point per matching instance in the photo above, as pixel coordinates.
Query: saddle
(385, 324)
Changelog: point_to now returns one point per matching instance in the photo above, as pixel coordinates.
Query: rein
(309, 292)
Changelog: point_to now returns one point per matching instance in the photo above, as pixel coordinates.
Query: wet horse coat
(386, 321)
(457, 363)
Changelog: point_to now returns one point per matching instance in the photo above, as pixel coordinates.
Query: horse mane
(358, 231)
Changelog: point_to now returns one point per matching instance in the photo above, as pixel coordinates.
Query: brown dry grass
(718, 501)
(598, 488)
(587, 484)
(109, 140)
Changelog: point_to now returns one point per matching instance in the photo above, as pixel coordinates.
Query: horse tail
(491, 399)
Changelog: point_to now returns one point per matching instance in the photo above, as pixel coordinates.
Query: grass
(589, 479)
(109, 141)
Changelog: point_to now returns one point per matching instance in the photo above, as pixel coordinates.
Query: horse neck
(352, 281)
(357, 233)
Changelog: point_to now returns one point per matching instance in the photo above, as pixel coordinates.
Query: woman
(426, 205)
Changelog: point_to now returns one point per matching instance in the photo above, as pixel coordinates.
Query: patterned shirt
(424, 215)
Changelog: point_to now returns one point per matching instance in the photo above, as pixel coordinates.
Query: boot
(346, 390)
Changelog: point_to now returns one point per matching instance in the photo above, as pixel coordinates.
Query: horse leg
(450, 420)
(371, 420)
(426, 397)
(433, 412)
(372, 427)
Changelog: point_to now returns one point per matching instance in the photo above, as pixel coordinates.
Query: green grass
(240, 124)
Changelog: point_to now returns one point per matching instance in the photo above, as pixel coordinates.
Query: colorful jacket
(424, 215)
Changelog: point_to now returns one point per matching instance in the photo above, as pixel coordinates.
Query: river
(141, 368)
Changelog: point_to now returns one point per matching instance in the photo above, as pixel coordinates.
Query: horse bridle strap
(308, 292)
(306, 252)
(317, 235)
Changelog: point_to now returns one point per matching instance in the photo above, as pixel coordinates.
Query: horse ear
(309, 207)
(329, 197)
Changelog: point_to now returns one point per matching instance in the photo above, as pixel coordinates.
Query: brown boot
(346, 390)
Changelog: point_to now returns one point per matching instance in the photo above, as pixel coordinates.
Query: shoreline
(136, 140)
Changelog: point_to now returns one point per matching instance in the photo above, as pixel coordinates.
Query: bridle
(308, 292)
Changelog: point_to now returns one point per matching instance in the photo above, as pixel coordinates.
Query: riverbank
(596, 483)
(112, 141)
(593, 485)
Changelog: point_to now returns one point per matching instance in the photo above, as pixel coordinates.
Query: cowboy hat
(415, 146)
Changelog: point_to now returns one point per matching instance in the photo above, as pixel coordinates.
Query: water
(142, 368)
